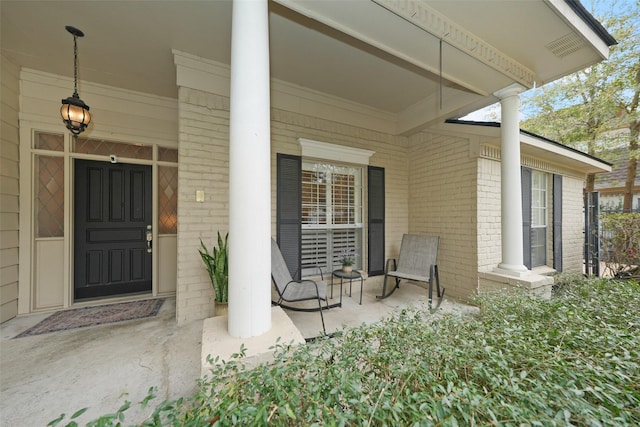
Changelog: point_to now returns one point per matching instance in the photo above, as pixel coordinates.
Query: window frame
(326, 227)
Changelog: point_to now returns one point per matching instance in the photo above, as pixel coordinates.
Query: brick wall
(489, 227)
(390, 153)
(442, 201)
(9, 190)
(489, 217)
(203, 165)
(572, 220)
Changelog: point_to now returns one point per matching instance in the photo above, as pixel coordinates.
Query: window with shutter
(332, 215)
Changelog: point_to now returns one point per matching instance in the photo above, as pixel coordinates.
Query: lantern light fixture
(75, 113)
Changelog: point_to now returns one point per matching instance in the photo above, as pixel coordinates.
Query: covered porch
(359, 85)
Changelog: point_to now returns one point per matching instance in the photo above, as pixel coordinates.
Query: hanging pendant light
(75, 113)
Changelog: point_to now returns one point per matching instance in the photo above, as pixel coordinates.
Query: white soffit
(339, 153)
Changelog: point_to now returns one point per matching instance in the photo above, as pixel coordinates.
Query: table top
(353, 275)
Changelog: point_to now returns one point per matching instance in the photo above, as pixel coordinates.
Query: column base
(498, 280)
(216, 340)
(512, 270)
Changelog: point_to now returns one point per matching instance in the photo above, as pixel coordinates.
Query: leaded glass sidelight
(167, 200)
(49, 177)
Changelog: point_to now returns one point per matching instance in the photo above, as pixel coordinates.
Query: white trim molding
(339, 153)
(433, 22)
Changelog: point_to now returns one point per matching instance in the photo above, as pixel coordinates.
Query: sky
(491, 113)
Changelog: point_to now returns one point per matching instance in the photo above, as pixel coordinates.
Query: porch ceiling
(371, 52)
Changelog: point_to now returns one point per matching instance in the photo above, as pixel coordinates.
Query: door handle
(149, 238)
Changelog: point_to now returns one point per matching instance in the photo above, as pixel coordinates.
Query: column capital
(512, 90)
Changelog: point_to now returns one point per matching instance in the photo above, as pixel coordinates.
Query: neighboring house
(611, 185)
(333, 134)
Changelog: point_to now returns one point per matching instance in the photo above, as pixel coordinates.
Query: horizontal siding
(9, 190)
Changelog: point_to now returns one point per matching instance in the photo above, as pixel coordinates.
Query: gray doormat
(90, 316)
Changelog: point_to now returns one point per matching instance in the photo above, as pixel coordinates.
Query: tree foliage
(597, 108)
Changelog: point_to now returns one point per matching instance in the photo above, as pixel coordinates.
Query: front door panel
(112, 212)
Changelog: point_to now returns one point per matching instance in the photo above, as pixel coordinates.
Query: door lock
(149, 238)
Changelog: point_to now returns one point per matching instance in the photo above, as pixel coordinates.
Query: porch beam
(510, 179)
(428, 111)
(249, 172)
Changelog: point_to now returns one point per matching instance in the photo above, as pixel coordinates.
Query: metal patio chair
(290, 290)
(417, 261)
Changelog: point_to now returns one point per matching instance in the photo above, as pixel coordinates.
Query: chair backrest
(279, 271)
(417, 254)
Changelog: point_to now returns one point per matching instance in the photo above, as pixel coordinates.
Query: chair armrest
(386, 266)
(319, 269)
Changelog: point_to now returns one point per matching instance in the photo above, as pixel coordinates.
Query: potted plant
(217, 264)
(347, 258)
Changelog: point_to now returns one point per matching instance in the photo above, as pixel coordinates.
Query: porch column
(249, 172)
(511, 188)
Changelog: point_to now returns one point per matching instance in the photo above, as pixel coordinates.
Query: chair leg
(439, 293)
(384, 283)
(322, 317)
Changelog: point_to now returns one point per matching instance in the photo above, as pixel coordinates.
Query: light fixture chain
(75, 65)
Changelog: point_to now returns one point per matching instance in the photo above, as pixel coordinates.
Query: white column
(511, 187)
(249, 172)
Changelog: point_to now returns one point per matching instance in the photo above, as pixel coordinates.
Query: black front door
(112, 212)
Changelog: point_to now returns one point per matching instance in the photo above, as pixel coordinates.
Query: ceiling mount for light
(75, 113)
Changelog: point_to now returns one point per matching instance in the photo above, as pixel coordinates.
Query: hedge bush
(574, 360)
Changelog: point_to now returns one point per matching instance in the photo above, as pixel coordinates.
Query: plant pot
(221, 308)
(347, 268)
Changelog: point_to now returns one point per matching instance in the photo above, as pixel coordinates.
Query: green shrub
(574, 360)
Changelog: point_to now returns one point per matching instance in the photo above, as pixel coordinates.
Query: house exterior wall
(390, 153)
(489, 228)
(9, 189)
(489, 238)
(572, 223)
(46, 264)
(203, 165)
(442, 202)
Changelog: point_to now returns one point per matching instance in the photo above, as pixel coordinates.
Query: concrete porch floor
(101, 366)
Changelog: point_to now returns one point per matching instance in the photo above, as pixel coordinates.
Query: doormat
(91, 316)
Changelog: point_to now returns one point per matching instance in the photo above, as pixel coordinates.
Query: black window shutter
(557, 222)
(526, 216)
(376, 220)
(289, 210)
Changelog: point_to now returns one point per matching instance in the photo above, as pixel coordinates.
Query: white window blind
(332, 215)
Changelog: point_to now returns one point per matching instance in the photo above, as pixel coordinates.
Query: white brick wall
(489, 217)
(489, 228)
(435, 184)
(390, 153)
(572, 224)
(9, 190)
(442, 201)
(203, 165)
